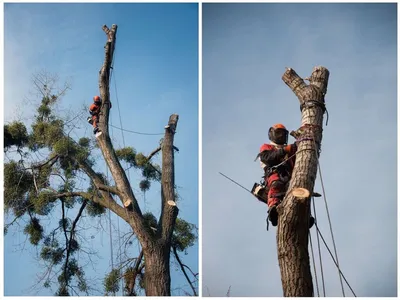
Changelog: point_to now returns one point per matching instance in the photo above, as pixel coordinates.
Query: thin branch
(154, 152)
(69, 244)
(183, 270)
(52, 159)
(12, 222)
(131, 284)
(64, 223)
(193, 273)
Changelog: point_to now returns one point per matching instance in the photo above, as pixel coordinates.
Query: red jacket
(94, 109)
(272, 155)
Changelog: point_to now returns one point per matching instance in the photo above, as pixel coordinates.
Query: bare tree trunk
(157, 256)
(157, 279)
(294, 212)
(169, 210)
(156, 246)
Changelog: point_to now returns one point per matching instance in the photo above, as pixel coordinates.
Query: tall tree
(293, 231)
(34, 191)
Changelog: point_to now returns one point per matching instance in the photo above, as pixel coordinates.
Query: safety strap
(312, 103)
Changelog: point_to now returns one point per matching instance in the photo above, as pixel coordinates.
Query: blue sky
(246, 48)
(156, 74)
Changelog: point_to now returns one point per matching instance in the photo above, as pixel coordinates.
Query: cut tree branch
(169, 210)
(295, 82)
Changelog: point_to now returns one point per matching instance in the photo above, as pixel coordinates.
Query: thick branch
(104, 78)
(112, 189)
(169, 210)
(107, 149)
(52, 159)
(294, 81)
(106, 201)
(98, 181)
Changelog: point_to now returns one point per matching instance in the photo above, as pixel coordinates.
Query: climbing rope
(319, 234)
(319, 251)
(330, 225)
(337, 265)
(136, 132)
(123, 138)
(313, 260)
(329, 219)
(110, 233)
(118, 229)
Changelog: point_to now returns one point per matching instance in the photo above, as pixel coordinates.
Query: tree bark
(294, 212)
(121, 180)
(169, 210)
(157, 257)
(157, 278)
(156, 246)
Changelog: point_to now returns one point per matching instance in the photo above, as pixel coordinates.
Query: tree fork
(294, 211)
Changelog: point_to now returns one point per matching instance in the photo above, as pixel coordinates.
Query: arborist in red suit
(277, 160)
(94, 110)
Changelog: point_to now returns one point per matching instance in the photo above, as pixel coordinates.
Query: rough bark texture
(169, 210)
(157, 272)
(292, 232)
(107, 149)
(156, 246)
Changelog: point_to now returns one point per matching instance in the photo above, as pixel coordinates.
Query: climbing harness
(314, 103)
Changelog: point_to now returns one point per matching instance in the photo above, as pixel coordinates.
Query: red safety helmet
(278, 134)
(97, 99)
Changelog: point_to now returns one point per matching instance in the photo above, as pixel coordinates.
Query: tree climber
(277, 160)
(94, 110)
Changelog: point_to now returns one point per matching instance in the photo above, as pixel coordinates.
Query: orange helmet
(97, 99)
(278, 134)
(279, 125)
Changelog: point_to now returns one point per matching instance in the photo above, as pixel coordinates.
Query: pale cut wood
(171, 202)
(301, 193)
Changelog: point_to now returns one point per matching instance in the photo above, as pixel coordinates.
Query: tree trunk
(169, 210)
(157, 279)
(157, 256)
(294, 212)
(156, 246)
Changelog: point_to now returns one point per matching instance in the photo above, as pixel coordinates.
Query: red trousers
(95, 119)
(277, 188)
